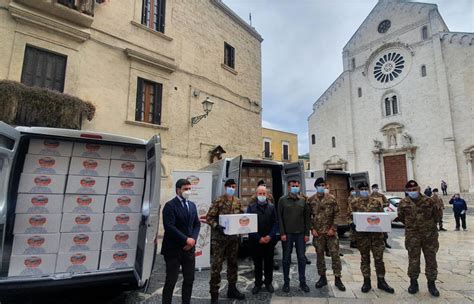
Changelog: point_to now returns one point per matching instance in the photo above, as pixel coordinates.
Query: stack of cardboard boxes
(249, 179)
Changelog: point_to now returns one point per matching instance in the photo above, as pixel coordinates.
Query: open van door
(293, 171)
(233, 171)
(148, 230)
(358, 177)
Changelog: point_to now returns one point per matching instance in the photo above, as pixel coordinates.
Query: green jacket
(294, 214)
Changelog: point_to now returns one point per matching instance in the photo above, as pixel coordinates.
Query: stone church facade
(403, 106)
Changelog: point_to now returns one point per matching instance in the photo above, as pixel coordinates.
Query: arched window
(353, 63)
(390, 105)
(394, 105)
(333, 139)
(313, 139)
(423, 70)
(359, 92)
(424, 33)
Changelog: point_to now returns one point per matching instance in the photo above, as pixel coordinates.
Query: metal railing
(268, 155)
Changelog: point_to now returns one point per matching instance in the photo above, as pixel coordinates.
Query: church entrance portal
(395, 168)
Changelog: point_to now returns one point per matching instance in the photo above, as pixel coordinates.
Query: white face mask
(326, 191)
(262, 198)
(186, 194)
(375, 190)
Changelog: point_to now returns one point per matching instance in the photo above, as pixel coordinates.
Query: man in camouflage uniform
(439, 202)
(383, 199)
(369, 241)
(224, 246)
(420, 214)
(350, 199)
(324, 210)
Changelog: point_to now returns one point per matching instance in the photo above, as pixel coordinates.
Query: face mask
(320, 189)
(295, 190)
(326, 190)
(353, 193)
(364, 193)
(375, 190)
(413, 194)
(186, 194)
(230, 191)
(262, 199)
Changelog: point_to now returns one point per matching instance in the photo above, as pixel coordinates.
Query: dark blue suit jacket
(178, 226)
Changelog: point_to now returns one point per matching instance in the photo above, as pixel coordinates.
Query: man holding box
(369, 241)
(224, 246)
(421, 215)
(383, 199)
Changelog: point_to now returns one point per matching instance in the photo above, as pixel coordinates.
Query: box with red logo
(41, 183)
(77, 261)
(32, 265)
(113, 240)
(117, 258)
(121, 221)
(124, 185)
(83, 203)
(89, 166)
(128, 153)
(50, 147)
(92, 150)
(123, 203)
(45, 164)
(77, 184)
(39, 203)
(239, 223)
(80, 241)
(35, 243)
(81, 222)
(372, 221)
(37, 223)
(126, 168)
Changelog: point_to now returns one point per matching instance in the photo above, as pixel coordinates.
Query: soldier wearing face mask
(383, 199)
(421, 215)
(224, 246)
(369, 241)
(350, 199)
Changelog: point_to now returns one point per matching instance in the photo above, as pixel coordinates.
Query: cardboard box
(126, 168)
(37, 223)
(239, 223)
(80, 242)
(123, 185)
(121, 221)
(110, 259)
(92, 150)
(244, 172)
(252, 172)
(89, 166)
(128, 153)
(123, 203)
(245, 200)
(372, 221)
(44, 164)
(244, 181)
(77, 262)
(268, 172)
(39, 203)
(27, 244)
(83, 203)
(50, 147)
(41, 183)
(32, 265)
(81, 222)
(245, 191)
(114, 240)
(77, 184)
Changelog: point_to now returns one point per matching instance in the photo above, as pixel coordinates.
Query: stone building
(279, 145)
(403, 106)
(147, 65)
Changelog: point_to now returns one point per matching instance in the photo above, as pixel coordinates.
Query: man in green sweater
(294, 219)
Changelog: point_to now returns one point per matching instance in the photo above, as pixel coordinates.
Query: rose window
(389, 67)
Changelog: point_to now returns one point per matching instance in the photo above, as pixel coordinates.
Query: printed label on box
(239, 223)
(37, 223)
(39, 183)
(128, 153)
(86, 184)
(77, 262)
(92, 150)
(83, 203)
(372, 221)
(123, 168)
(43, 164)
(35, 243)
(79, 242)
(121, 221)
(39, 203)
(113, 240)
(81, 222)
(129, 186)
(32, 265)
(50, 147)
(117, 259)
(123, 203)
(89, 166)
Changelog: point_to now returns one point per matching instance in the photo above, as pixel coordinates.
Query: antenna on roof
(250, 19)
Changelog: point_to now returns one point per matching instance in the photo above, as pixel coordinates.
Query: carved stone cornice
(151, 60)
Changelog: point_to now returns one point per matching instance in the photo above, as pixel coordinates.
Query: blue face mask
(230, 191)
(353, 193)
(261, 200)
(320, 189)
(295, 190)
(364, 193)
(413, 194)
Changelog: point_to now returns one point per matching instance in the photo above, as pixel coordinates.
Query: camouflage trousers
(223, 250)
(367, 242)
(415, 243)
(322, 242)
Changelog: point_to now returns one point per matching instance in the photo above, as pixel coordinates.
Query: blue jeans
(296, 239)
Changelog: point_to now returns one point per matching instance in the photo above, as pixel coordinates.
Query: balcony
(267, 155)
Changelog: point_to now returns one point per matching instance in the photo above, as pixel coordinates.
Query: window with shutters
(42, 68)
(353, 63)
(333, 141)
(359, 92)
(229, 55)
(391, 105)
(267, 153)
(285, 152)
(153, 14)
(149, 98)
(423, 71)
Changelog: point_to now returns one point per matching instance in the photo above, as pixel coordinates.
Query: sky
(302, 50)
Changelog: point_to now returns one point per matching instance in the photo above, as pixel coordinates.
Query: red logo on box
(121, 237)
(46, 162)
(39, 201)
(124, 201)
(42, 180)
(78, 259)
(126, 183)
(92, 147)
(90, 164)
(87, 182)
(51, 144)
(122, 219)
(373, 220)
(37, 220)
(35, 241)
(32, 262)
(84, 200)
(83, 219)
(128, 166)
(120, 256)
(80, 239)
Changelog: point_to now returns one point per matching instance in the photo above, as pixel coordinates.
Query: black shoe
(286, 288)
(432, 288)
(214, 297)
(234, 293)
(341, 254)
(304, 287)
(256, 289)
(387, 245)
(339, 285)
(413, 288)
(321, 282)
(269, 288)
(366, 286)
(442, 229)
(276, 266)
(381, 284)
(308, 262)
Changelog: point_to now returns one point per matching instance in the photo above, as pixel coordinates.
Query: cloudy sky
(302, 50)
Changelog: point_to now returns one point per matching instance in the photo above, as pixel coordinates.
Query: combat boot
(382, 284)
(366, 286)
(432, 288)
(413, 288)
(234, 293)
(321, 282)
(339, 285)
(214, 297)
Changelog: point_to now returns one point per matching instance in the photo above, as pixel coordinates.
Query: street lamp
(207, 106)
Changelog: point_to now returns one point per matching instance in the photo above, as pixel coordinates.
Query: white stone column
(378, 169)
(470, 173)
(410, 157)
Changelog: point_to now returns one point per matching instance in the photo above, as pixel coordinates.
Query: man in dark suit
(181, 223)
